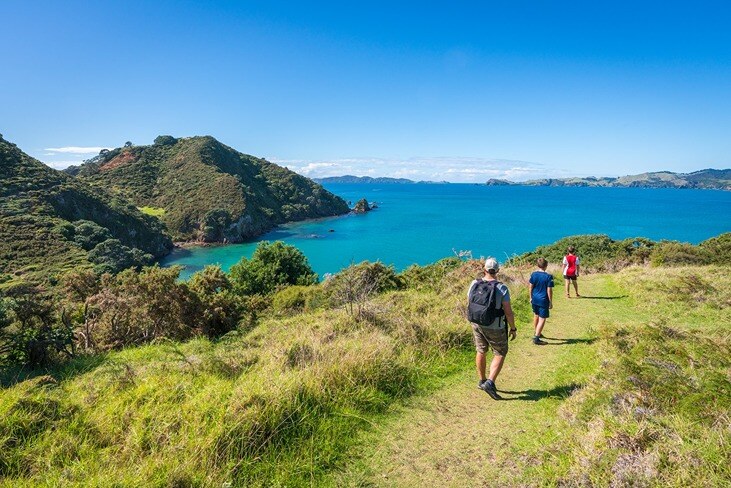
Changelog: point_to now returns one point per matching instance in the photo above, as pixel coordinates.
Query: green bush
(112, 256)
(718, 249)
(671, 253)
(219, 309)
(429, 276)
(31, 333)
(88, 234)
(274, 265)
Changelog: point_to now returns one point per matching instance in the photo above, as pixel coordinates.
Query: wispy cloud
(63, 157)
(454, 169)
(75, 149)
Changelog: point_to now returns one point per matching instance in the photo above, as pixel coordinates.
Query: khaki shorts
(495, 339)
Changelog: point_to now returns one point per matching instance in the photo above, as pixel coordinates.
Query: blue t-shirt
(541, 282)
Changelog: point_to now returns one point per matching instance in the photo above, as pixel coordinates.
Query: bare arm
(510, 318)
(530, 292)
(550, 297)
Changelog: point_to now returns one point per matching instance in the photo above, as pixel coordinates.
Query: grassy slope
(655, 414)
(276, 405)
(313, 399)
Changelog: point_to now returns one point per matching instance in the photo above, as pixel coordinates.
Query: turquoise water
(423, 223)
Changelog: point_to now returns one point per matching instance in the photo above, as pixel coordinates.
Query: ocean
(422, 223)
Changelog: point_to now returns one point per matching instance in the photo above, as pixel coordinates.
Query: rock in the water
(361, 206)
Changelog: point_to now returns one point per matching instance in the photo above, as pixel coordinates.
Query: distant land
(368, 179)
(707, 179)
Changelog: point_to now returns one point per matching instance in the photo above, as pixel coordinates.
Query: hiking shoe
(489, 387)
(480, 384)
(538, 342)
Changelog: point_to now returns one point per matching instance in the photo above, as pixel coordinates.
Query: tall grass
(277, 405)
(659, 411)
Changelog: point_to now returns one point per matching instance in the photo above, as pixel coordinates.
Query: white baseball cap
(491, 264)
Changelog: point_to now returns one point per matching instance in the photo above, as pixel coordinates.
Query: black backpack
(482, 308)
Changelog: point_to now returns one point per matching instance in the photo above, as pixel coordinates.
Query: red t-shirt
(570, 261)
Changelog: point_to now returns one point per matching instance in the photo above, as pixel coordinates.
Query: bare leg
(568, 285)
(495, 366)
(576, 287)
(481, 364)
(535, 322)
(539, 325)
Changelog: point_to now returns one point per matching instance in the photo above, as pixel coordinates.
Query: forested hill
(714, 179)
(206, 191)
(49, 222)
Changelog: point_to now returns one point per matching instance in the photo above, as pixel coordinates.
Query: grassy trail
(460, 437)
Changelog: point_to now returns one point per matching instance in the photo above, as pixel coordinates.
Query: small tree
(219, 309)
(273, 265)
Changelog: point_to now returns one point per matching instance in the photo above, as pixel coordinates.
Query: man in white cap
(490, 313)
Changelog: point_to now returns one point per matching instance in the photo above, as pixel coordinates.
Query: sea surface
(422, 223)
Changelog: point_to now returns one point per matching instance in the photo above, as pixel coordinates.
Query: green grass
(278, 405)
(154, 211)
(640, 397)
(634, 392)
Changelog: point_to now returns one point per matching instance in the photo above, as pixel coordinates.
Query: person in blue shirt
(541, 298)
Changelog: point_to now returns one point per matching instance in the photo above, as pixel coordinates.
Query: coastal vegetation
(51, 223)
(205, 191)
(264, 377)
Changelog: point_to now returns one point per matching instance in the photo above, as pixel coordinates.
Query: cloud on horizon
(453, 169)
(79, 153)
(75, 149)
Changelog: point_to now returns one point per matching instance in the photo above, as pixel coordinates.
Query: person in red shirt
(571, 271)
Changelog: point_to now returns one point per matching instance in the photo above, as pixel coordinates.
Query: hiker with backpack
(571, 271)
(490, 313)
(540, 290)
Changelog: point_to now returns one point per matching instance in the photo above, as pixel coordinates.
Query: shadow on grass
(563, 391)
(561, 342)
(616, 297)
(64, 372)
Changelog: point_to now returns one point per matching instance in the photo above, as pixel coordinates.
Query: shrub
(429, 276)
(273, 265)
(112, 256)
(219, 309)
(670, 253)
(88, 234)
(139, 307)
(31, 333)
(718, 249)
(354, 285)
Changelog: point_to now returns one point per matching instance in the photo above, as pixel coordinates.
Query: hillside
(633, 390)
(50, 222)
(715, 179)
(206, 191)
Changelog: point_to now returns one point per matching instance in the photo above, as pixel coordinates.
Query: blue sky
(457, 91)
